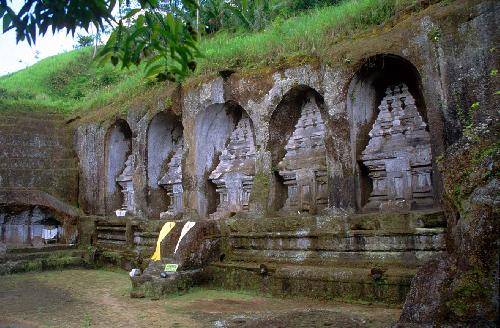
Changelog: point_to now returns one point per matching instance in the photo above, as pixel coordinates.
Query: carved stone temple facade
(124, 180)
(398, 155)
(304, 166)
(234, 174)
(172, 181)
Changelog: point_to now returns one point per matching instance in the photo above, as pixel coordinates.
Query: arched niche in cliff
(22, 224)
(118, 150)
(164, 136)
(297, 142)
(390, 84)
(213, 129)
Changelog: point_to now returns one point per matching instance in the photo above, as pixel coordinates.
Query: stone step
(323, 282)
(426, 239)
(146, 234)
(38, 179)
(143, 241)
(47, 131)
(45, 115)
(320, 272)
(32, 120)
(111, 236)
(110, 223)
(111, 228)
(41, 255)
(34, 140)
(7, 152)
(13, 249)
(49, 128)
(111, 243)
(410, 259)
(24, 163)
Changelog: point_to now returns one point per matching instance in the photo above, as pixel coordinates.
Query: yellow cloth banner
(165, 230)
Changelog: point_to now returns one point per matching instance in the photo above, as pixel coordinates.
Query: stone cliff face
(36, 153)
(461, 286)
(404, 119)
(428, 54)
(38, 179)
(444, 57)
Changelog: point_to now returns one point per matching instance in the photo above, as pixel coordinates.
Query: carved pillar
(172, 182)
(304, 166)
(125, 182)
(398, 155)
(234, 175)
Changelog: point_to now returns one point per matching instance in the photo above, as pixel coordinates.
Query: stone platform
(368, 257)
(151, 284)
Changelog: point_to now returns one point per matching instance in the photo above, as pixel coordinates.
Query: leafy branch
(164, 40)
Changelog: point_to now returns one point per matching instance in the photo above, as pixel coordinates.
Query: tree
(83, 41)
(253, 15)
(166, 41)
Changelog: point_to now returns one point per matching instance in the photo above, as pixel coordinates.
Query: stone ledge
(345, 284)
(42, 261)
(409, 259)
(397, 222)
(13, 196)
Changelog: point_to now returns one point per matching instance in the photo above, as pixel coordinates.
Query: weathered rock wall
(461, 287)
(36, 154)
(446, 56)
(422, 49)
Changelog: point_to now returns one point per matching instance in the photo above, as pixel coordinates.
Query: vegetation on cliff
(71, 82)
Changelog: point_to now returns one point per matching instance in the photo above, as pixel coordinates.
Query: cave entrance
(35, 226)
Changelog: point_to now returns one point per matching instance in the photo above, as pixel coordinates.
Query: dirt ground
(100, 298)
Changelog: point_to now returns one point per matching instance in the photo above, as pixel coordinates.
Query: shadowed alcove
(118, 149)
(213, 128)
(165, 134)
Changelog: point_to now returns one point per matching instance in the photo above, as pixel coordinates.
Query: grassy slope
(65, 83)
(70, 83)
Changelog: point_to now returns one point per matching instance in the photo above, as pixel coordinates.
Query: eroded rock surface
(304, 166)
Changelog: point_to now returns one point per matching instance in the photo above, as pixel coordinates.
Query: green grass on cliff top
(71, 82)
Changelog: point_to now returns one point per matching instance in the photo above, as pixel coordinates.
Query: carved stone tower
(398, 155)
(234, 175)
(172, 181)
(304, 165)
(125, 182)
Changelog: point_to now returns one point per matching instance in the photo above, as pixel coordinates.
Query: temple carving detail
(304, 166)
(398, 154)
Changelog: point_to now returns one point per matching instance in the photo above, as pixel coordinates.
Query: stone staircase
(28, 258)
(123, 242)
(112, 234)
(368, 257)
(145, 242)
(36, 154)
